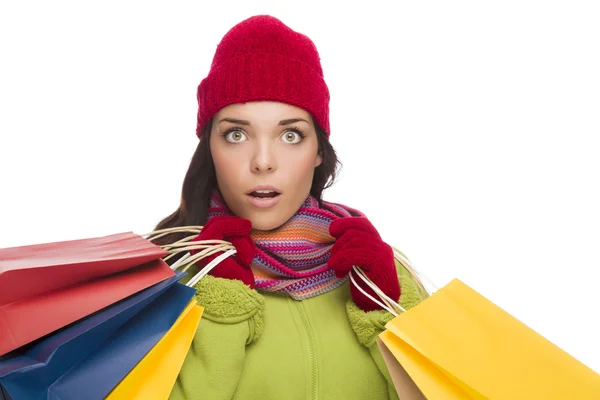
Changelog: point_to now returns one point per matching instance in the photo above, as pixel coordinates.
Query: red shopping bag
(45, 287)
(51, 266)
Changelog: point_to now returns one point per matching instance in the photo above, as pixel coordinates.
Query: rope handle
(206, 249)
(416, 275)
(211, 265)
(390, 305)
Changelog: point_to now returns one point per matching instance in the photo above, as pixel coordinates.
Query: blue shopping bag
(87, 359)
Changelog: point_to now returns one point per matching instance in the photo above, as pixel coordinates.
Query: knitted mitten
(237, 231)
(358, 244)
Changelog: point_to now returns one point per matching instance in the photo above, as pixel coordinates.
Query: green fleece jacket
(253, 345)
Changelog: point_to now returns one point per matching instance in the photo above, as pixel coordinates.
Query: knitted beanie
(262, 59)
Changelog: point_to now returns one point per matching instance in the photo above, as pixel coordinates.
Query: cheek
(307, 166)
(227, 168)
(301, 169)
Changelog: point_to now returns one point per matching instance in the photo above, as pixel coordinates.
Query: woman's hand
(358, 244)
(237, 231)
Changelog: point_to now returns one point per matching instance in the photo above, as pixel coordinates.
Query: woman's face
(264, 145)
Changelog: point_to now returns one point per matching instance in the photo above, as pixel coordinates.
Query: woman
(281, 320)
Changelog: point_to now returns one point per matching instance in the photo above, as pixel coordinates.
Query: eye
(234, 135)
(293, 136)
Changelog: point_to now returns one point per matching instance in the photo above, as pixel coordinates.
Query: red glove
(237, 231)
(358, 244)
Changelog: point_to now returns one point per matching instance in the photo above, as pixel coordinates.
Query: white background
(468, 131)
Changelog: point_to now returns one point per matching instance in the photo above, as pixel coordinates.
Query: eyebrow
(244, 122)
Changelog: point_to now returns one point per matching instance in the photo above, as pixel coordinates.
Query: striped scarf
(293, 258)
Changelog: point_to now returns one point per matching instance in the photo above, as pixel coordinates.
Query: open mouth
(264, 194)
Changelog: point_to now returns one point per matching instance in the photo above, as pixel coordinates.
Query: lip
(263, 203)
(263, 187)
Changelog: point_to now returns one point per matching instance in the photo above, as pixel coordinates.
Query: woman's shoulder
(228, 300)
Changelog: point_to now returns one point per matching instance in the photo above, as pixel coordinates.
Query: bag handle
(211, 265)
(416, 275)
(390, 305)
(207, 247)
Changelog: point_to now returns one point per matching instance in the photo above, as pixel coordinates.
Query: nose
(263, 159)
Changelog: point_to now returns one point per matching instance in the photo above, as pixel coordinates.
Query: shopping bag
(30, 372)
(98, 374)
(47, 286)
(456, 344)
(155, 376)
(4, 395)
(29, 319)
(50, 266)
(101, 350)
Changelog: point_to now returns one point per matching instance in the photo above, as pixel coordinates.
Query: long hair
(201, 179)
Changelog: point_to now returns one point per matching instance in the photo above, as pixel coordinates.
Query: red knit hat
(262, 59)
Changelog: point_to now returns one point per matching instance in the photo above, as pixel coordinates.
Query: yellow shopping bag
(154, 376)
(456, 344)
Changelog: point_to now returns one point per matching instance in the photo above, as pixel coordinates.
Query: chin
(263, 223)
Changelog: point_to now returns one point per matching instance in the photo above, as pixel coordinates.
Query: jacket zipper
(311, 351)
